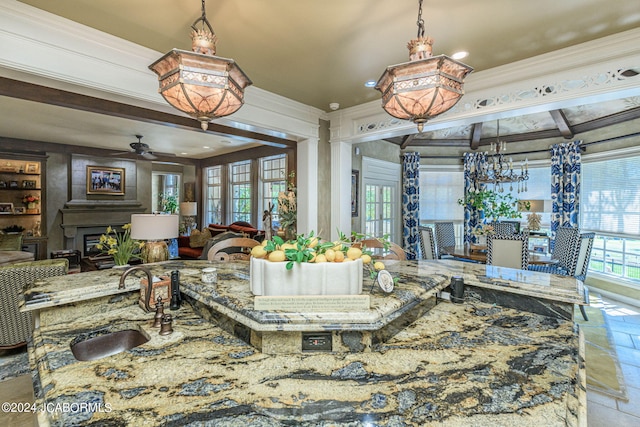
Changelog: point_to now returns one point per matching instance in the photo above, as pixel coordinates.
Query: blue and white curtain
(472, 218)
(410, 203)
(565, 185)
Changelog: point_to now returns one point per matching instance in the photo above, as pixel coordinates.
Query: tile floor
(603, 411)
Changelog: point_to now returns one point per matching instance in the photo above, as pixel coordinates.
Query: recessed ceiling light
(370, 83)
(183, 154)
(460, 55)
(206, 147)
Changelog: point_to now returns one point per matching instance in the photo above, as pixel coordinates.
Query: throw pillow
(199, 238)
(10, 242)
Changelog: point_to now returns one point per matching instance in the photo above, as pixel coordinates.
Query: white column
(306, 175)
(340, 188)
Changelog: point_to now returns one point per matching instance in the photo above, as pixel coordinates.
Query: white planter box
(327, 278)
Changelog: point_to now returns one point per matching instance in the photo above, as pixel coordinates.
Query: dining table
(478, 253)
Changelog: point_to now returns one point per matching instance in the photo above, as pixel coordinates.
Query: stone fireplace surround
(87, 217)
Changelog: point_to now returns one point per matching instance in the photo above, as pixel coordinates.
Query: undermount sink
(97, 347)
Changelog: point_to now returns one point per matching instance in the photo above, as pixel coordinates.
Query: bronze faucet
(149, 282)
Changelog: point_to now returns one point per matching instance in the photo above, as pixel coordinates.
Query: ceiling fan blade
(148, 155)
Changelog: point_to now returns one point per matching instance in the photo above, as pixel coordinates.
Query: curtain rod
(582, 145)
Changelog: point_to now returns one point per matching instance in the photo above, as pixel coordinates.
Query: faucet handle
(157, 319)
(165, 326)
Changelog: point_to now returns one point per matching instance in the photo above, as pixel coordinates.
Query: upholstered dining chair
(508, 250)
(392, 252)
(235, 248)
(427, 244)
(503, 228)
(445, 237)
(16, 327)
(565, 252)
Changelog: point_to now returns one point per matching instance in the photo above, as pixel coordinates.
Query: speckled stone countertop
(458, 365)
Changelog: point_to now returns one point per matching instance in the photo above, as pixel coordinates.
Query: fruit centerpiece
(310, 266)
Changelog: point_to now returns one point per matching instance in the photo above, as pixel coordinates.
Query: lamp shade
(203, 86)
(420, 90)
(154, 226)
(188, 208)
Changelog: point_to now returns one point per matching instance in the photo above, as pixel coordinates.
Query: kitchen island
(465, 364)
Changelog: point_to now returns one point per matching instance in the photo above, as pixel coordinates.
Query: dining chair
(235, 248)
(565, 252)
(379, 252)
(582, 265)
(445, 237)
(16, 326)
(503, 228)
(508, 250)
(427, 244)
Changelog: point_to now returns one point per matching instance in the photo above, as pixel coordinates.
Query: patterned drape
(472, 218)
(410, 203)
(565, 185)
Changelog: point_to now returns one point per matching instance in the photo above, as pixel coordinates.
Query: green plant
(169, 203)
(120, 245)
(494, 205)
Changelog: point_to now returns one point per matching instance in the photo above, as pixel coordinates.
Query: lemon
(347, 259)
(321, 258)
(330, 254)
(258, 251)
(338, 246)
(354, 253)
(378, 265)
(287, 245)
(313, 243)
(264, 242)
(366, 258)
(277, 256)
(339, 256)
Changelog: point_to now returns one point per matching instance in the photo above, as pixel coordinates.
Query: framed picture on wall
(102, 180)
(32, 167)
(354, 192)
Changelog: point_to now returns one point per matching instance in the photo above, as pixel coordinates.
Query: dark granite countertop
(458, 365)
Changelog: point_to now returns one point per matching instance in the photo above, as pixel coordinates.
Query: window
(610, 206)
(164, 187)
(214, 196)
(240, 181)
(241, 191)
(272, 178)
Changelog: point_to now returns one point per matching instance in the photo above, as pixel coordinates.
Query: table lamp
(189, 211)
(154, 229)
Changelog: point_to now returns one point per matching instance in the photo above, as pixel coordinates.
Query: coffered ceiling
(322, 52)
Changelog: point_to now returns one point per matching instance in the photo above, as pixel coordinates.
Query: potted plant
(493, 205)
(120, 245)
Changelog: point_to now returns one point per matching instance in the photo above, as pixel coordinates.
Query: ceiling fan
(142, 149)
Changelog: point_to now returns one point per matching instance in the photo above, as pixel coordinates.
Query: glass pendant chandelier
(424, 87)
(199, 83)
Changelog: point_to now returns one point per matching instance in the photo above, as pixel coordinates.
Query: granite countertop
(85, 286)
(458, 365)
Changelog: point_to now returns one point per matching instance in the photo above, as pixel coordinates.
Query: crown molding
(51, 48)
(582, 74)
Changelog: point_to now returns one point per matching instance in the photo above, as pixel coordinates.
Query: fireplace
(84, 222)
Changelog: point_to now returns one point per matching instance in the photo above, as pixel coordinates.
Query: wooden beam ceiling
(61, 98)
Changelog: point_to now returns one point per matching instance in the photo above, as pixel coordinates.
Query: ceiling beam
(476, 135)
(61, 98)
(406, 140)
(562, 123)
